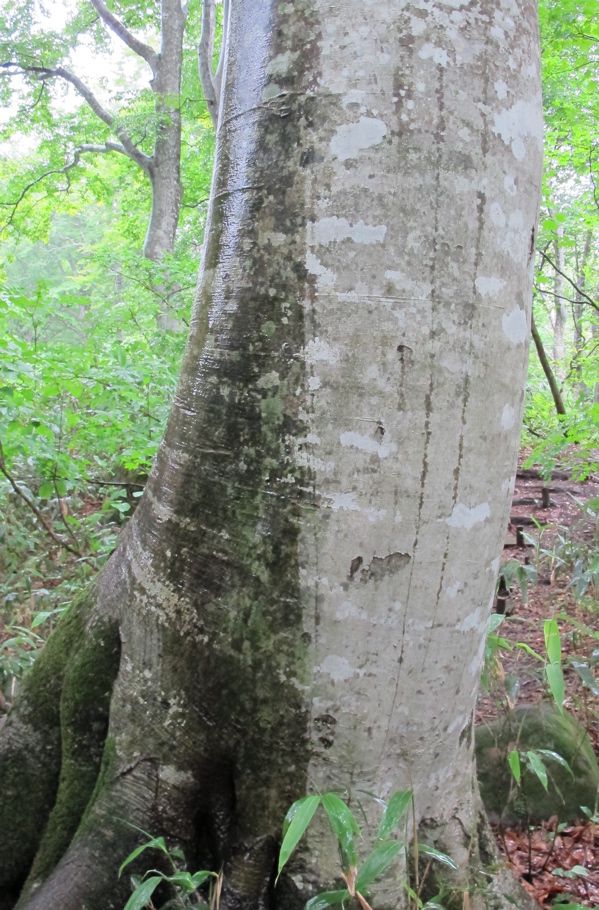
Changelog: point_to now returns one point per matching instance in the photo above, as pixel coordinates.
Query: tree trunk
(552, 382)
(579, 312)
(560, 316)
(301, 598)
(165, 168)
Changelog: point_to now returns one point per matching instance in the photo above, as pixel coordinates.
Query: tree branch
(13, 68)
(578, 289)
(121, 31)
(99, 149)
(108, 147)
(543, 291)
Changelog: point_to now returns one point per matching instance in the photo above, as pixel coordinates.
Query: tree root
(51, 745)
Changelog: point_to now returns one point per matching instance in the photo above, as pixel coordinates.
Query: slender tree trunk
(546, 366)
(302, 596)
(579, 311)
(165, 168)
(560, 311)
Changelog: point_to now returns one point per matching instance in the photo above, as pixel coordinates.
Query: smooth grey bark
(165, 167)
(211, 78)
(301, 598)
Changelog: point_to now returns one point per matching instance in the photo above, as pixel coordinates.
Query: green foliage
(184, 886)
(551, 659)
(571, 552)
(359, 875)
(566, 273)
(87, 373)
(515, 572)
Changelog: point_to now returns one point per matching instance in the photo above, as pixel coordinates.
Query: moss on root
(84, 708)
(51, 745)
(30, 748)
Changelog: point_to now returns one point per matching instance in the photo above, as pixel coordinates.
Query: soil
(552, 859)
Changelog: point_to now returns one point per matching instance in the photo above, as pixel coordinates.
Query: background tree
(148, 134)
(322, 519)
(564, 424)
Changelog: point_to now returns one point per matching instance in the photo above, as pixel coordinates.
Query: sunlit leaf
(156, 843)
(396, 808)
(513, 760)
(437, 855)
(344, 826)
(298, 817)
(555, 681)
(327, 899)
(143, 893)
(553, 642)
(538, 768)
(378, 862)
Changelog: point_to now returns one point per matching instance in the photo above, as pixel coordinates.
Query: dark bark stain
(324, 726)
(354, 566)
(381, 566)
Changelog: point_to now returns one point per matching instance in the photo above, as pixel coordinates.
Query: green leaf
(327, 899)
(495, 620)
(156, 843)
(513, 761)
(40, 618)
(299, 816)
(556, 757)
(553, 641)
(344, 826)
(200, 877)
(528, 650)
(142, 894)
(396, 808)
(46, 490)
(555, 681)
(586, 675)
(437, 855)
(182, 880)
(377, 862)
(538, 768)
(574, 872)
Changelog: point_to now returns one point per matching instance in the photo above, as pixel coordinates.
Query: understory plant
(183, 886)
(360, 874)
(202, 889)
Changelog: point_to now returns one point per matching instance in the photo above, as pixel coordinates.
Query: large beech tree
(301, 598)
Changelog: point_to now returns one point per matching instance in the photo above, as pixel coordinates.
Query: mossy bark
(51, 747)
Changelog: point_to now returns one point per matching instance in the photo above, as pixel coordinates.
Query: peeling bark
(302, 594)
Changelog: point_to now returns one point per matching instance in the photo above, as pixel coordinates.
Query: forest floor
(553, 533)
(559, 543)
